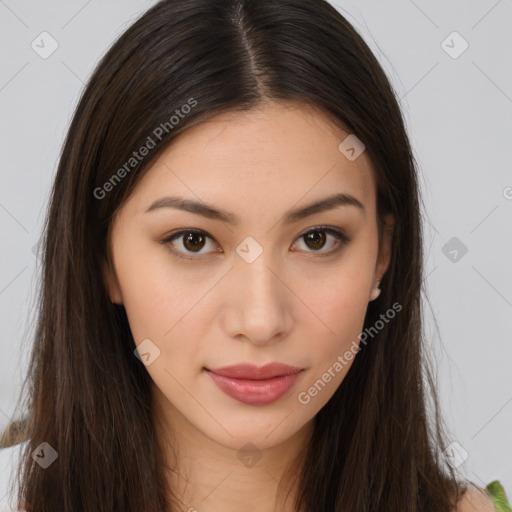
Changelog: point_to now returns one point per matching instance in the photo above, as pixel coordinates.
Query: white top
(9, 460)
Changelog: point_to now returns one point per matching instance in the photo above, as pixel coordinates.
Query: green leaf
(499, 497)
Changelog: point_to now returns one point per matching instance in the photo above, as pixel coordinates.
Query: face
(254, 277)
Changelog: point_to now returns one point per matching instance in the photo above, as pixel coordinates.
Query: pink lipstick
(254, 385)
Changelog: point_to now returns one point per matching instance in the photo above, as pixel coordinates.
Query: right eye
(193, 240)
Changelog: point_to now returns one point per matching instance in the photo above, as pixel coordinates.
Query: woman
(230, 310)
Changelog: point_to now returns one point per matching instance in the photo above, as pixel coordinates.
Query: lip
(251, 371)
(254, 385)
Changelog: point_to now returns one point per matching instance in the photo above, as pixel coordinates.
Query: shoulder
(9, 461)
(476, 499)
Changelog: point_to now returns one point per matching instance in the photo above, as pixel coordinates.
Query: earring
(375, 292)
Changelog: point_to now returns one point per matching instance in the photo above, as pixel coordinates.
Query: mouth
(253, 372)
(254, 385)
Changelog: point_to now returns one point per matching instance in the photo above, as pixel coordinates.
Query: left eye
(194, 240)
(316, 239)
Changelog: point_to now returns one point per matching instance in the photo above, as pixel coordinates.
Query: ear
(111, 283)
(385, 251)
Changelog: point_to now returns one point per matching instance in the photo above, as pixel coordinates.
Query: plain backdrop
(451, 67)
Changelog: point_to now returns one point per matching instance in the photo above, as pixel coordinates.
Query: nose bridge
(260, 302)
(258, 280)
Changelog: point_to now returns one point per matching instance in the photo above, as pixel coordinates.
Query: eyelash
(341, 238)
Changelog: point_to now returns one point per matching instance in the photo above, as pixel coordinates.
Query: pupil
(318, 241)
(192, 239)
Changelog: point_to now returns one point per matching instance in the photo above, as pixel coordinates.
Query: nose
(260, 303)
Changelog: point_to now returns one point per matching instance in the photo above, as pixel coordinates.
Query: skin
(476, 500)
(290, 305)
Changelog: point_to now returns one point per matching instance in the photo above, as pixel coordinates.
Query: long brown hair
(376, 446)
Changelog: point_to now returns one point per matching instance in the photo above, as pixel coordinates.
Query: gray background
(457, 108)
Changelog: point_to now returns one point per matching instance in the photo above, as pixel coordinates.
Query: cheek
(338, 300)
(148, 300)
(167, 307)
(344, 317)
(155, 293)
(339, 305)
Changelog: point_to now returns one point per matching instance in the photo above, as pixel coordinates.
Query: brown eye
(315, 239)
(193, 241)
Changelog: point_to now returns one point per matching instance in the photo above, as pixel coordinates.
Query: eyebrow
(210, 212)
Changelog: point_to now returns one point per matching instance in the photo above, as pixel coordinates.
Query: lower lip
(255, 392)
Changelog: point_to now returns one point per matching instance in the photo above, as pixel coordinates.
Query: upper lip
(251, 371)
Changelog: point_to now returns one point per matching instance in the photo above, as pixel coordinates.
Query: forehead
(279, 154)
